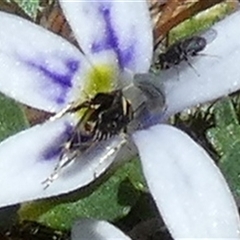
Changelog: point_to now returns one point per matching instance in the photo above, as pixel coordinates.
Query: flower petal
(96, 230)
(38, 68)
(188, 188)
(217, 72)
(121, 26)
(29, 158)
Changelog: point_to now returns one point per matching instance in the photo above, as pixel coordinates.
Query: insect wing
(191, 46)
(209, 35)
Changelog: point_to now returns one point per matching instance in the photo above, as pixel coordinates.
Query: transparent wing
(210, 35)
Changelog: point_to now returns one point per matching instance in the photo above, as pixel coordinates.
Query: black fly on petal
(184, 49)
(181, 51)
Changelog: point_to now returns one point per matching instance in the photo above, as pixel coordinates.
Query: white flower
(45, 71)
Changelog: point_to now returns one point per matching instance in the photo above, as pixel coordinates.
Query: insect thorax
(107, 114)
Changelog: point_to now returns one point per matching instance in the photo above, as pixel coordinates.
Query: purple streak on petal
(57, 80)
(55, 149)
(72, 65)
(111, 41)
(64, 80)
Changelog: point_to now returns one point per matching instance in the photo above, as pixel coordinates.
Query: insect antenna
(66, 160)
(110, 152)
(67, 156)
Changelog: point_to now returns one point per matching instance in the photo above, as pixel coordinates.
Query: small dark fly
(181, 51)
(184, 49)
(105, 115)
(29, 230)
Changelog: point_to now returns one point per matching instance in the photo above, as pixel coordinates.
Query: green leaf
(29, 6)
(112, 200)
(225, 132)
(12, 119)
(200, 22)
(225, 138)
(230, 165)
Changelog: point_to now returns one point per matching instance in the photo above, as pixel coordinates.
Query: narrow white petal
(122, 27)
(96, 230)
(217, 72)
(188, 188)
(28, 158)
(38, 68)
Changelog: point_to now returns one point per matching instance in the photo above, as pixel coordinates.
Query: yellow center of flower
(100, 78)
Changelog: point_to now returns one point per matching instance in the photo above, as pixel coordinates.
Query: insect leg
(61, 113)
(66, 159)
(110, 152)
(70, 108)
(193, 68)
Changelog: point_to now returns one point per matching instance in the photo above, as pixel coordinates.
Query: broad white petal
(38, 68)
(29, 158)
(188, 188)
(122, 27)
(217, 72)
(96, 230)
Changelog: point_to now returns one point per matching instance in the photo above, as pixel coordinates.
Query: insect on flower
(105, 115)
(56, 73)
(184, 49)
(181, 51)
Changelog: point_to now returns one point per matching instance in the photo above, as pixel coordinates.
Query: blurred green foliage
(12, 118)
(29, 6)
(200, 22)
(225, 137)
(112, 200)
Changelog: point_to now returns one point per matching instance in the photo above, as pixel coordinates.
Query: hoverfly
(184, 49)
(29, 230)
(105, 115)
